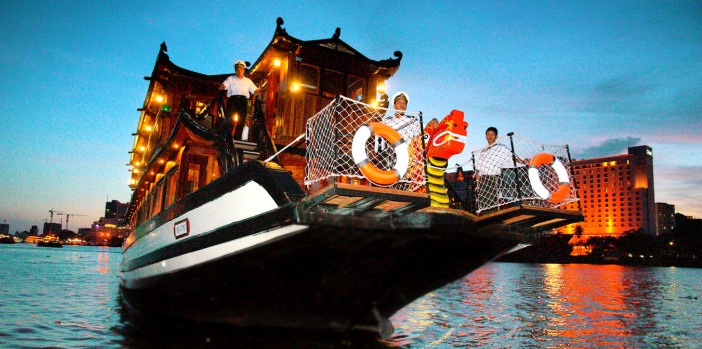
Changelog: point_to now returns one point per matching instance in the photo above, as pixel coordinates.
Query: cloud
(678, 185)
(621, 87)
(608, 147)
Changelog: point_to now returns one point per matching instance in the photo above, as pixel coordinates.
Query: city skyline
(599, 76)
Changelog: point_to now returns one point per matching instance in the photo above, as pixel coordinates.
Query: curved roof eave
(163, 58)
(392, 64)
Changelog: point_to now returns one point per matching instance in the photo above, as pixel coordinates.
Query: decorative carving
(388, 61)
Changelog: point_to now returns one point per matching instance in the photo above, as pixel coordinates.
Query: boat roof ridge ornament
(279, 25)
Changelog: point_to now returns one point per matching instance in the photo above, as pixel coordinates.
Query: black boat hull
(324, 277)
(297, 263)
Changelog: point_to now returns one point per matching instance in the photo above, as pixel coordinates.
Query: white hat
(241, 63)
(400, 94)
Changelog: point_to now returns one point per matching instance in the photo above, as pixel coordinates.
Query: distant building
(4, 229)
(115, 212)
(665, 214)
(51, 228)
(616, 194)
(110, 230)
(34, 230)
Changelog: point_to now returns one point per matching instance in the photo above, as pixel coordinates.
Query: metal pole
(424, 149)
(572, 174)
(475, 182)
(514, 162)
(337, 99)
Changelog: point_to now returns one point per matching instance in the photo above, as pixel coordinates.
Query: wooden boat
(249, 235)
(44, 243)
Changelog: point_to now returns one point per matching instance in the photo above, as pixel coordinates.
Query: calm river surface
(69, 298)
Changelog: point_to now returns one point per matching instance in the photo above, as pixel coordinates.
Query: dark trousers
(235, 105)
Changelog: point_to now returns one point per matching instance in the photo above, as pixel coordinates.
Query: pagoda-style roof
(164, 67)
(333, 51)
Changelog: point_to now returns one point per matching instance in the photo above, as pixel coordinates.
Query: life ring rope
(360, 156)
(563, 190)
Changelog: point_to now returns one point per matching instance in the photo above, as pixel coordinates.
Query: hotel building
(616, 194)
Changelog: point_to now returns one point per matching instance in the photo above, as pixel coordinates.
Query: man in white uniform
(239, 90)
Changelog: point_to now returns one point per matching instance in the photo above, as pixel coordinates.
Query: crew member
(239, 90)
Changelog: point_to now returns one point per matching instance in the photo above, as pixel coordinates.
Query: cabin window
(309, 77)
(355, 88)
(171, 186)
(147, 207)
(196, 176)
(212, 169)
(158, 197)
(193, 178)
(332, 84)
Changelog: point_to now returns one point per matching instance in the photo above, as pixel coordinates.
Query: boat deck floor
(343, 198)
(359, 200)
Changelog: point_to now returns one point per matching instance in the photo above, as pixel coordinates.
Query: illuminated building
(111, 229)
(616, 194)
(665, 214)
(115, 212)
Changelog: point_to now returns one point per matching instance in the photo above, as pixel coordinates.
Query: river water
(69, 298)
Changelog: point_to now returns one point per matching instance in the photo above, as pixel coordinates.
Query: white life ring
(360, 157)
(564, 181)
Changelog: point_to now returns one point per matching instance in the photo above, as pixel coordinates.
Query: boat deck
(342, 198)
(359, 201)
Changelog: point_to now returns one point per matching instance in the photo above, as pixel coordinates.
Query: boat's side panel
(247, 206)
(279, 186)
(140, 277)
(243, 203)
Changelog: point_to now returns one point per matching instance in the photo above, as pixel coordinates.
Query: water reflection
(70, 298)
(103, 265)
(551, 306)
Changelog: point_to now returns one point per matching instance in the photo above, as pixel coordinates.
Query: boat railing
(515, 170)
(330, 137)
(260, 135)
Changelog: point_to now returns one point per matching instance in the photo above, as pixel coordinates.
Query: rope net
(502, 174)
(330, 134)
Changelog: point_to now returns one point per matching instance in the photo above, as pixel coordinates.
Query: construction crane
(54, 212)
(68, 215)
(51, 220)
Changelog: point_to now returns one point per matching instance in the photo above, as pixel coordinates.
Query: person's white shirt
(492, 159)
(239, 87)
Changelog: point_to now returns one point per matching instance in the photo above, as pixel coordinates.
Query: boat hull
(297, 266)
(319, 277)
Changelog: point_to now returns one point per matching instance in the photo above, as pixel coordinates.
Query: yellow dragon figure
(443, 140)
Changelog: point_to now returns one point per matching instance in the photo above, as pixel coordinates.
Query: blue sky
(598, 76)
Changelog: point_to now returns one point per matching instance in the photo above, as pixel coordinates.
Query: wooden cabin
(178, 146)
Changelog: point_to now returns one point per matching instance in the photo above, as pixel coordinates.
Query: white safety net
(330, 137)
(502, 175)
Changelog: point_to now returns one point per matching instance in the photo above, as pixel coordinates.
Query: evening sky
(599, 76)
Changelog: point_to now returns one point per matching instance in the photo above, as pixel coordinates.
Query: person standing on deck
(409, 129)
(489, 168)
(239, 89)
